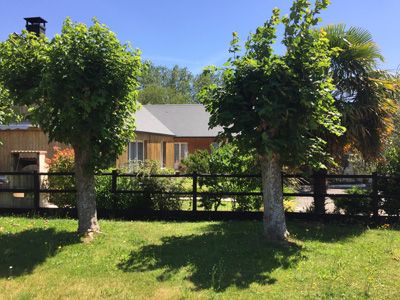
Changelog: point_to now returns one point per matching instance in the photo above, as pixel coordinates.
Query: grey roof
(184, 120)
(180, 120)
(146, 122)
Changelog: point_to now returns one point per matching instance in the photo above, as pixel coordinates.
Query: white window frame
(180, 155)
(162, 162)
(136, 145)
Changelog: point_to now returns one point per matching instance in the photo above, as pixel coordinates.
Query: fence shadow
(22, 252)
(225, 254)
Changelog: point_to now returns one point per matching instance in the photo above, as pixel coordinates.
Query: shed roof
(184, 120)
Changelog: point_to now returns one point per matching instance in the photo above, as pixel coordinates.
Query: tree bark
(274, 213)
(86, 194)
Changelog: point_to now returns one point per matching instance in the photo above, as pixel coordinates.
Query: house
(166, 133)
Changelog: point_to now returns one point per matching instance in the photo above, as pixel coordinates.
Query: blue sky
(197, 33)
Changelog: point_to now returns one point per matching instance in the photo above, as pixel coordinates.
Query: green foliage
(81, 86)
(277, 104)
(362, 94)
(63, 161)
(161, 85)
(390, 185)
(148, 200)
(7, 111)
(355, 206)
(228, 159)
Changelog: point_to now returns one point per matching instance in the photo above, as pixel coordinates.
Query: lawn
(44, 259)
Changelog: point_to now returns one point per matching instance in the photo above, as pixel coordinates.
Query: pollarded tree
(82, 88)
(276, 103)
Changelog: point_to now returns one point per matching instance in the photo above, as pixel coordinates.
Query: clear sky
(196, 33)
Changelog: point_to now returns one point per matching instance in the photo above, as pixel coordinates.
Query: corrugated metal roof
(184, 120)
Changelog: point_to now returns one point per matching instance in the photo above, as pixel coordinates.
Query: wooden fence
(317, 181)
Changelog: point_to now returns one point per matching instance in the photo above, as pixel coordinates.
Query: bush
(389, 185)
(355, 206)
(228, 159)
(63, 161)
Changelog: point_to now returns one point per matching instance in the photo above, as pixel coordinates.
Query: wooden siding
(200, 143)
(152, 148)
(30, 139)
(35, 139)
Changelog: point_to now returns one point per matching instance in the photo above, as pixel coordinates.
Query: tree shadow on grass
(21, 252)
(325, 232)
(223, 255)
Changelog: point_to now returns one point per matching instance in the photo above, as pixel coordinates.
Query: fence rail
(316, 180)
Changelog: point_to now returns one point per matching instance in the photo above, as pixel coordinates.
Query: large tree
(276, 103)
(82, 89)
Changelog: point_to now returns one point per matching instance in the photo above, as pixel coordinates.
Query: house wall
(29, 139)
(197, 143)
(35, 139)
(152, 148)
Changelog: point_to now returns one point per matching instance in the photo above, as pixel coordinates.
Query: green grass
(44, 259)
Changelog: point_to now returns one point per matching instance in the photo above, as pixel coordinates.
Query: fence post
(194, 177)
(36, 190)
(375, 195)
(114, 175)
(319, 190)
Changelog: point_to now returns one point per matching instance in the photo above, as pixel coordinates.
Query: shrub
(355, 206)
(228, 159)
(389, 185)
(62, 161)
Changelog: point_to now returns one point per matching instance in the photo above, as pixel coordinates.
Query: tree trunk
(86, 194)
(274, 213)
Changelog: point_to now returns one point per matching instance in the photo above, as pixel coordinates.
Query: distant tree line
(160, 84)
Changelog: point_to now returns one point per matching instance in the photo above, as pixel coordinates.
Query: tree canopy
(177, 85)
(278, 104)
(82, 89)
(363, 93)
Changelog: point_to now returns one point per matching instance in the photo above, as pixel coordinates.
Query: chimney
(36, 25)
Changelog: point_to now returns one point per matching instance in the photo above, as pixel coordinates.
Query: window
(163, 154)
(180, 151)
(136, 151)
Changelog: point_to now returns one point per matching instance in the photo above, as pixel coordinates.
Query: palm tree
(363, 95)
